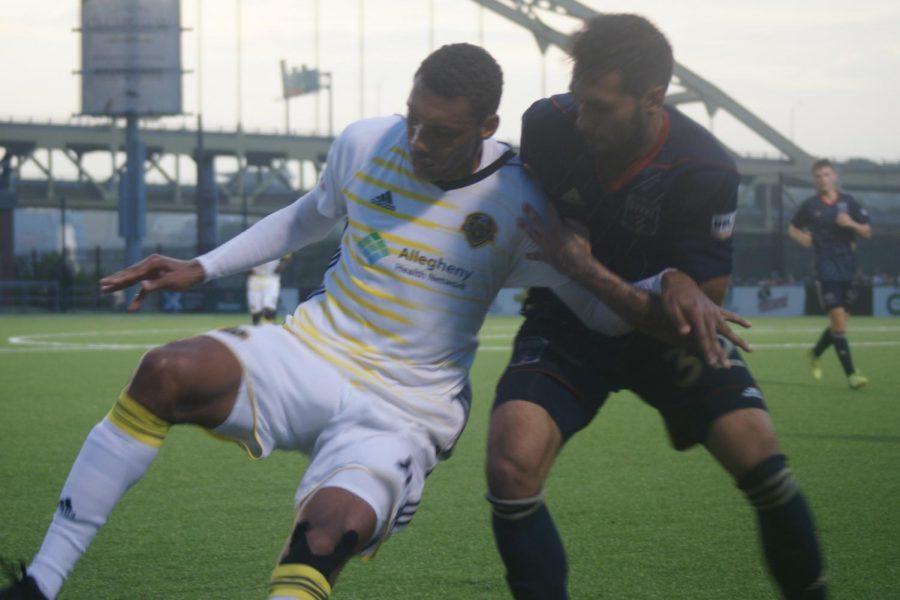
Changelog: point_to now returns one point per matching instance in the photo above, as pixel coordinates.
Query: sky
(825, 73)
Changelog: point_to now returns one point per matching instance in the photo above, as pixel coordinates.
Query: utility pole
(316, 65)
(238, 65)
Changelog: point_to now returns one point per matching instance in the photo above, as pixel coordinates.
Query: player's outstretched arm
(684, 315)
(284, 231)
(156, 272)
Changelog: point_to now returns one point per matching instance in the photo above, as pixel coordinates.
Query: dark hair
(467, 71)
(822, 163)
(629, 44)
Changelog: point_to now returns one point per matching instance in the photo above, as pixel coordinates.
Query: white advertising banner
(131, 57)
(768, 301)
(886, 301)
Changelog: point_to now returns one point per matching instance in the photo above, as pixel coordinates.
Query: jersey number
(689, 367)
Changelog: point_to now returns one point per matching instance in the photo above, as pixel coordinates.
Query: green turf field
(639, 520)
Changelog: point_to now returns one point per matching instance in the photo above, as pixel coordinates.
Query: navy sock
(843, 351)
(824, 341)
(786, 528)
(531, 549)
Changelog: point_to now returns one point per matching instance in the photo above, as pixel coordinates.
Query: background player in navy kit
(653, 190)
(829, 222)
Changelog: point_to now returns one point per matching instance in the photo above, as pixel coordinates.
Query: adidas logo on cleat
(384, 200)
(65, 509)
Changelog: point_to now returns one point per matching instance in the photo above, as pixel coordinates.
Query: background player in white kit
(370, 377)
(263, 287)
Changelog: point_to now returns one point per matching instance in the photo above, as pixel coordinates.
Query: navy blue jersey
(833, 245)
(674, 207)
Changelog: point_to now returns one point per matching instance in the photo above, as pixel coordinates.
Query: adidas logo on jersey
(384, 200)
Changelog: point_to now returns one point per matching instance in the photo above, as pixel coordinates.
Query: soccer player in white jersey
(369, 377)
(263, 287)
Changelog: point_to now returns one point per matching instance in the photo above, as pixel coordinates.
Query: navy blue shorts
(570, 372)
(834, 294)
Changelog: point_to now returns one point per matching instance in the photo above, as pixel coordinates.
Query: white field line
(42, 342)
(47, 342)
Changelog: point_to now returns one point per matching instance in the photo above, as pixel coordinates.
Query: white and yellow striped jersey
(419, 265)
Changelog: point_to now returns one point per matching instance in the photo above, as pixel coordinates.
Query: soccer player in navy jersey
(639, 188)
(829, 223)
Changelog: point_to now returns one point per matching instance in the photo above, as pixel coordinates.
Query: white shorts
(262, 292)
(292, 399)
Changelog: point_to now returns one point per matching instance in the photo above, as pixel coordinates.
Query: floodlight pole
(132, 192)
(316, 56)
(330, 105)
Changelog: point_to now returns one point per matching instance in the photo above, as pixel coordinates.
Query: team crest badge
(480, 229)
(641, 214)
(572, 199)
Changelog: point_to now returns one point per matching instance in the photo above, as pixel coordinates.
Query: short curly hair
(822, 163)
(467, 71)
(629, 44)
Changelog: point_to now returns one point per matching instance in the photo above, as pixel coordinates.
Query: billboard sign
(886, 301)
(768, 301)
(297, 82)
(131, 57)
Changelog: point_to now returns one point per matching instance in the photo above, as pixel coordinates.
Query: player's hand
(563, 244)
(156, 272)
(845, 220)
(695, 314)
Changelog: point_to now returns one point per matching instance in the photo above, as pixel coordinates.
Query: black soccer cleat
(23, 586)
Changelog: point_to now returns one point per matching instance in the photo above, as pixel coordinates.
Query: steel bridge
(260, 182)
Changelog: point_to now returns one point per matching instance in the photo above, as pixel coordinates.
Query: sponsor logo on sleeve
(723, 225)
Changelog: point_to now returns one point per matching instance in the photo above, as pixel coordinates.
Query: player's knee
(159, 382)
(522, 444)
(153, 385)
(325, 549)
(759, 450)
(512, 475)
(311, 562)
(331, 541)
(742, 439)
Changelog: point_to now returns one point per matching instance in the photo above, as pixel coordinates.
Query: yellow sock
(138, 422)
(299, 581)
